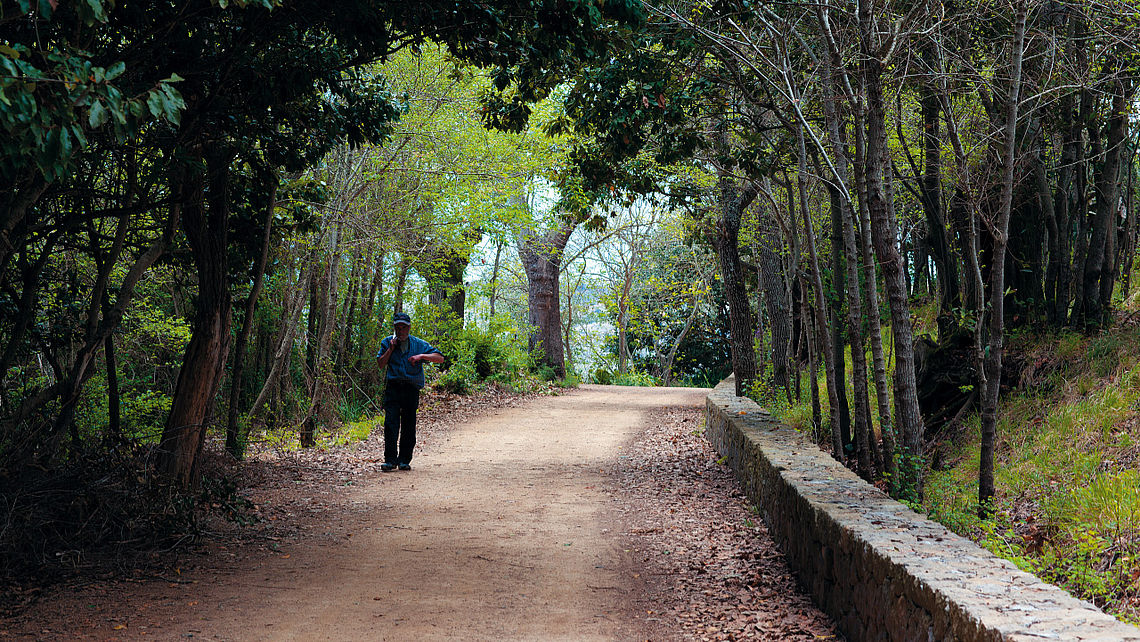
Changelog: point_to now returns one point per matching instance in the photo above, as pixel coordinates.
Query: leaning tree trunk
(233, 438)
(542, 260)
(884, 233)
(205, 360)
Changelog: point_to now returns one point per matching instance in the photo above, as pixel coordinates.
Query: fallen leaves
(712, 570)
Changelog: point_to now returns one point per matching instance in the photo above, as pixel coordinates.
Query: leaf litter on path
(711, 570)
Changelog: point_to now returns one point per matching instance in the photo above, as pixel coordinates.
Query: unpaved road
(503, 530)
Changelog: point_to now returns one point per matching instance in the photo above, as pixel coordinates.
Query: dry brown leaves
(714, 572)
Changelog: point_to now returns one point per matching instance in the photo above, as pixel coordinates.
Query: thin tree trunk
(233, 438)
(282, 354)
(993, 355)
(495, 275)
(401, 282)
(884, 233)
(874, 324)
(846, 216)
(823, 332)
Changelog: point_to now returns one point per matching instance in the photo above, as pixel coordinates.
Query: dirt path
(507, 528)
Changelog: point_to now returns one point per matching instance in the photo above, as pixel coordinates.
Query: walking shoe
(387, 467)
(405, 466)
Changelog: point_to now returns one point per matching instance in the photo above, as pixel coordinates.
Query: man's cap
(401, 317)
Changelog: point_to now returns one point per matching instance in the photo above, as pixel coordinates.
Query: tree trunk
(293, 307)
(937, 238)
(773, 284)
(542, 259)
(823, 331)
(884, 233)
(732, 200)
(495, 275)
(203, 365)
(991, 386)
(838, 291)
(401, 282)
(842, 209)
(1108, 190)
(234, 443)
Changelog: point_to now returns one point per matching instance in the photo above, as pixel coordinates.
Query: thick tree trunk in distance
(732, 201)
(774, 287)
(937, 238)
(205, 360)
(541, 257)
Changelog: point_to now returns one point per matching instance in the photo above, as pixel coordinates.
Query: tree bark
(541, 257)
(234, 444)
(823, 331)
(732, 200)
(207, 233)
(993, 355)
(884, 233)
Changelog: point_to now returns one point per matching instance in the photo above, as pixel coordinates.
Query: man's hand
(433, 357)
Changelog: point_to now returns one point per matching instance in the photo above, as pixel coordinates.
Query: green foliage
(476, 355)
(635, 378)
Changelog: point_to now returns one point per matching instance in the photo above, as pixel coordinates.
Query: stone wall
(881, 570)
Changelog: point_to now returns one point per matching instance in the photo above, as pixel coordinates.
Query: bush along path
(598, 514)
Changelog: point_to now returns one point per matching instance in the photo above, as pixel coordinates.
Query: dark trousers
(401, 399)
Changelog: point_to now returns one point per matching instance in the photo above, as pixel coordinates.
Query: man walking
(403, 355)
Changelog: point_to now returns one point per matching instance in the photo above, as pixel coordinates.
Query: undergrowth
(1067, 469)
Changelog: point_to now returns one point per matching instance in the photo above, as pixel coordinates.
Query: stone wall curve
(881, 570)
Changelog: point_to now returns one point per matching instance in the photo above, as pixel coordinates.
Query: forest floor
(597, 514)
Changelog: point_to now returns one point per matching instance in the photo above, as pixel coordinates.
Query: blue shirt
(399, 368)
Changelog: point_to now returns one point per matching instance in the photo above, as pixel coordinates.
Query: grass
(1067, 470)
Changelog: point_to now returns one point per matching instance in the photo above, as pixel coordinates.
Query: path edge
(881, 570)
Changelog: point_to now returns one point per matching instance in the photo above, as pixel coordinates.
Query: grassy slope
(1067, 468)
(1067, 464)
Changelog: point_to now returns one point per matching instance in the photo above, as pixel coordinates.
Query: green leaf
(115, 70)
(154, 103)
(97, 115)
(98, 12)
(174, 78)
